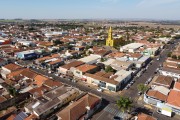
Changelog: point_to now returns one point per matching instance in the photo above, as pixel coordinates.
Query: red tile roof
(12, 67)
(174, 98)
(78, 108)
(86, 67)
(142, 116)
(177, 85)
(157, 95)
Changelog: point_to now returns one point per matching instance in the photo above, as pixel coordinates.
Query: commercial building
(29, 54)
(131, 48)
(91, 59)
(109, 81)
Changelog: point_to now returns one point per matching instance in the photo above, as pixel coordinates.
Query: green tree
(174, 56)
(124, 104)
(103, 59)
(12, 91)
(169, 54)
(109, 69)
(142, 88)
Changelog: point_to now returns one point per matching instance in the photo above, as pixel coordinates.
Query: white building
(131, 48)
(90, 59)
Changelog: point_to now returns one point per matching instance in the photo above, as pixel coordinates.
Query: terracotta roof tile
(157, 95)
(177, 85)
(143, 116)
(72, 64)
(78, 108)
(52, 83)
(39, 80)
(163, 80)
(86, 67)
(12, 67)
(174, 98)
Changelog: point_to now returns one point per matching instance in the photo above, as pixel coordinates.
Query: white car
(100, 89)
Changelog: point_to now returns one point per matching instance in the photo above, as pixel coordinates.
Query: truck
(165, 111)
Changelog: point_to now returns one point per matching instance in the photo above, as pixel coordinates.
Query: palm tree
(124, 104)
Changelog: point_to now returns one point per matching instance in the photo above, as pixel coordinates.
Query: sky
(90, 9)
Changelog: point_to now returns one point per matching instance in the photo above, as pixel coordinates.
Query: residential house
(156, 95)
(173, 101)
(81, 109)
(52, 84)
(39, 80)
(161, 80)
(177, 86)
(8, 69)
(65, 68)
(85, 68)
(171, 68)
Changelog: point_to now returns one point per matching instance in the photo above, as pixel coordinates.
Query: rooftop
(72, 64)
(86, 67)
(174, 98)
(12, 67)
(75, 110)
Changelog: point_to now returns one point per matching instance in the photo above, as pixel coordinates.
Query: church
(110, 41)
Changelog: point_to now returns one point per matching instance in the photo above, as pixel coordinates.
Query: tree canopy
(109, 69)
(124, 104)
(142, 88)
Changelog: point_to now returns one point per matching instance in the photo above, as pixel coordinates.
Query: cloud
(151, 3)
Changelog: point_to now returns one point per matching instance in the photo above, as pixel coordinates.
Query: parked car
(149, 80)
